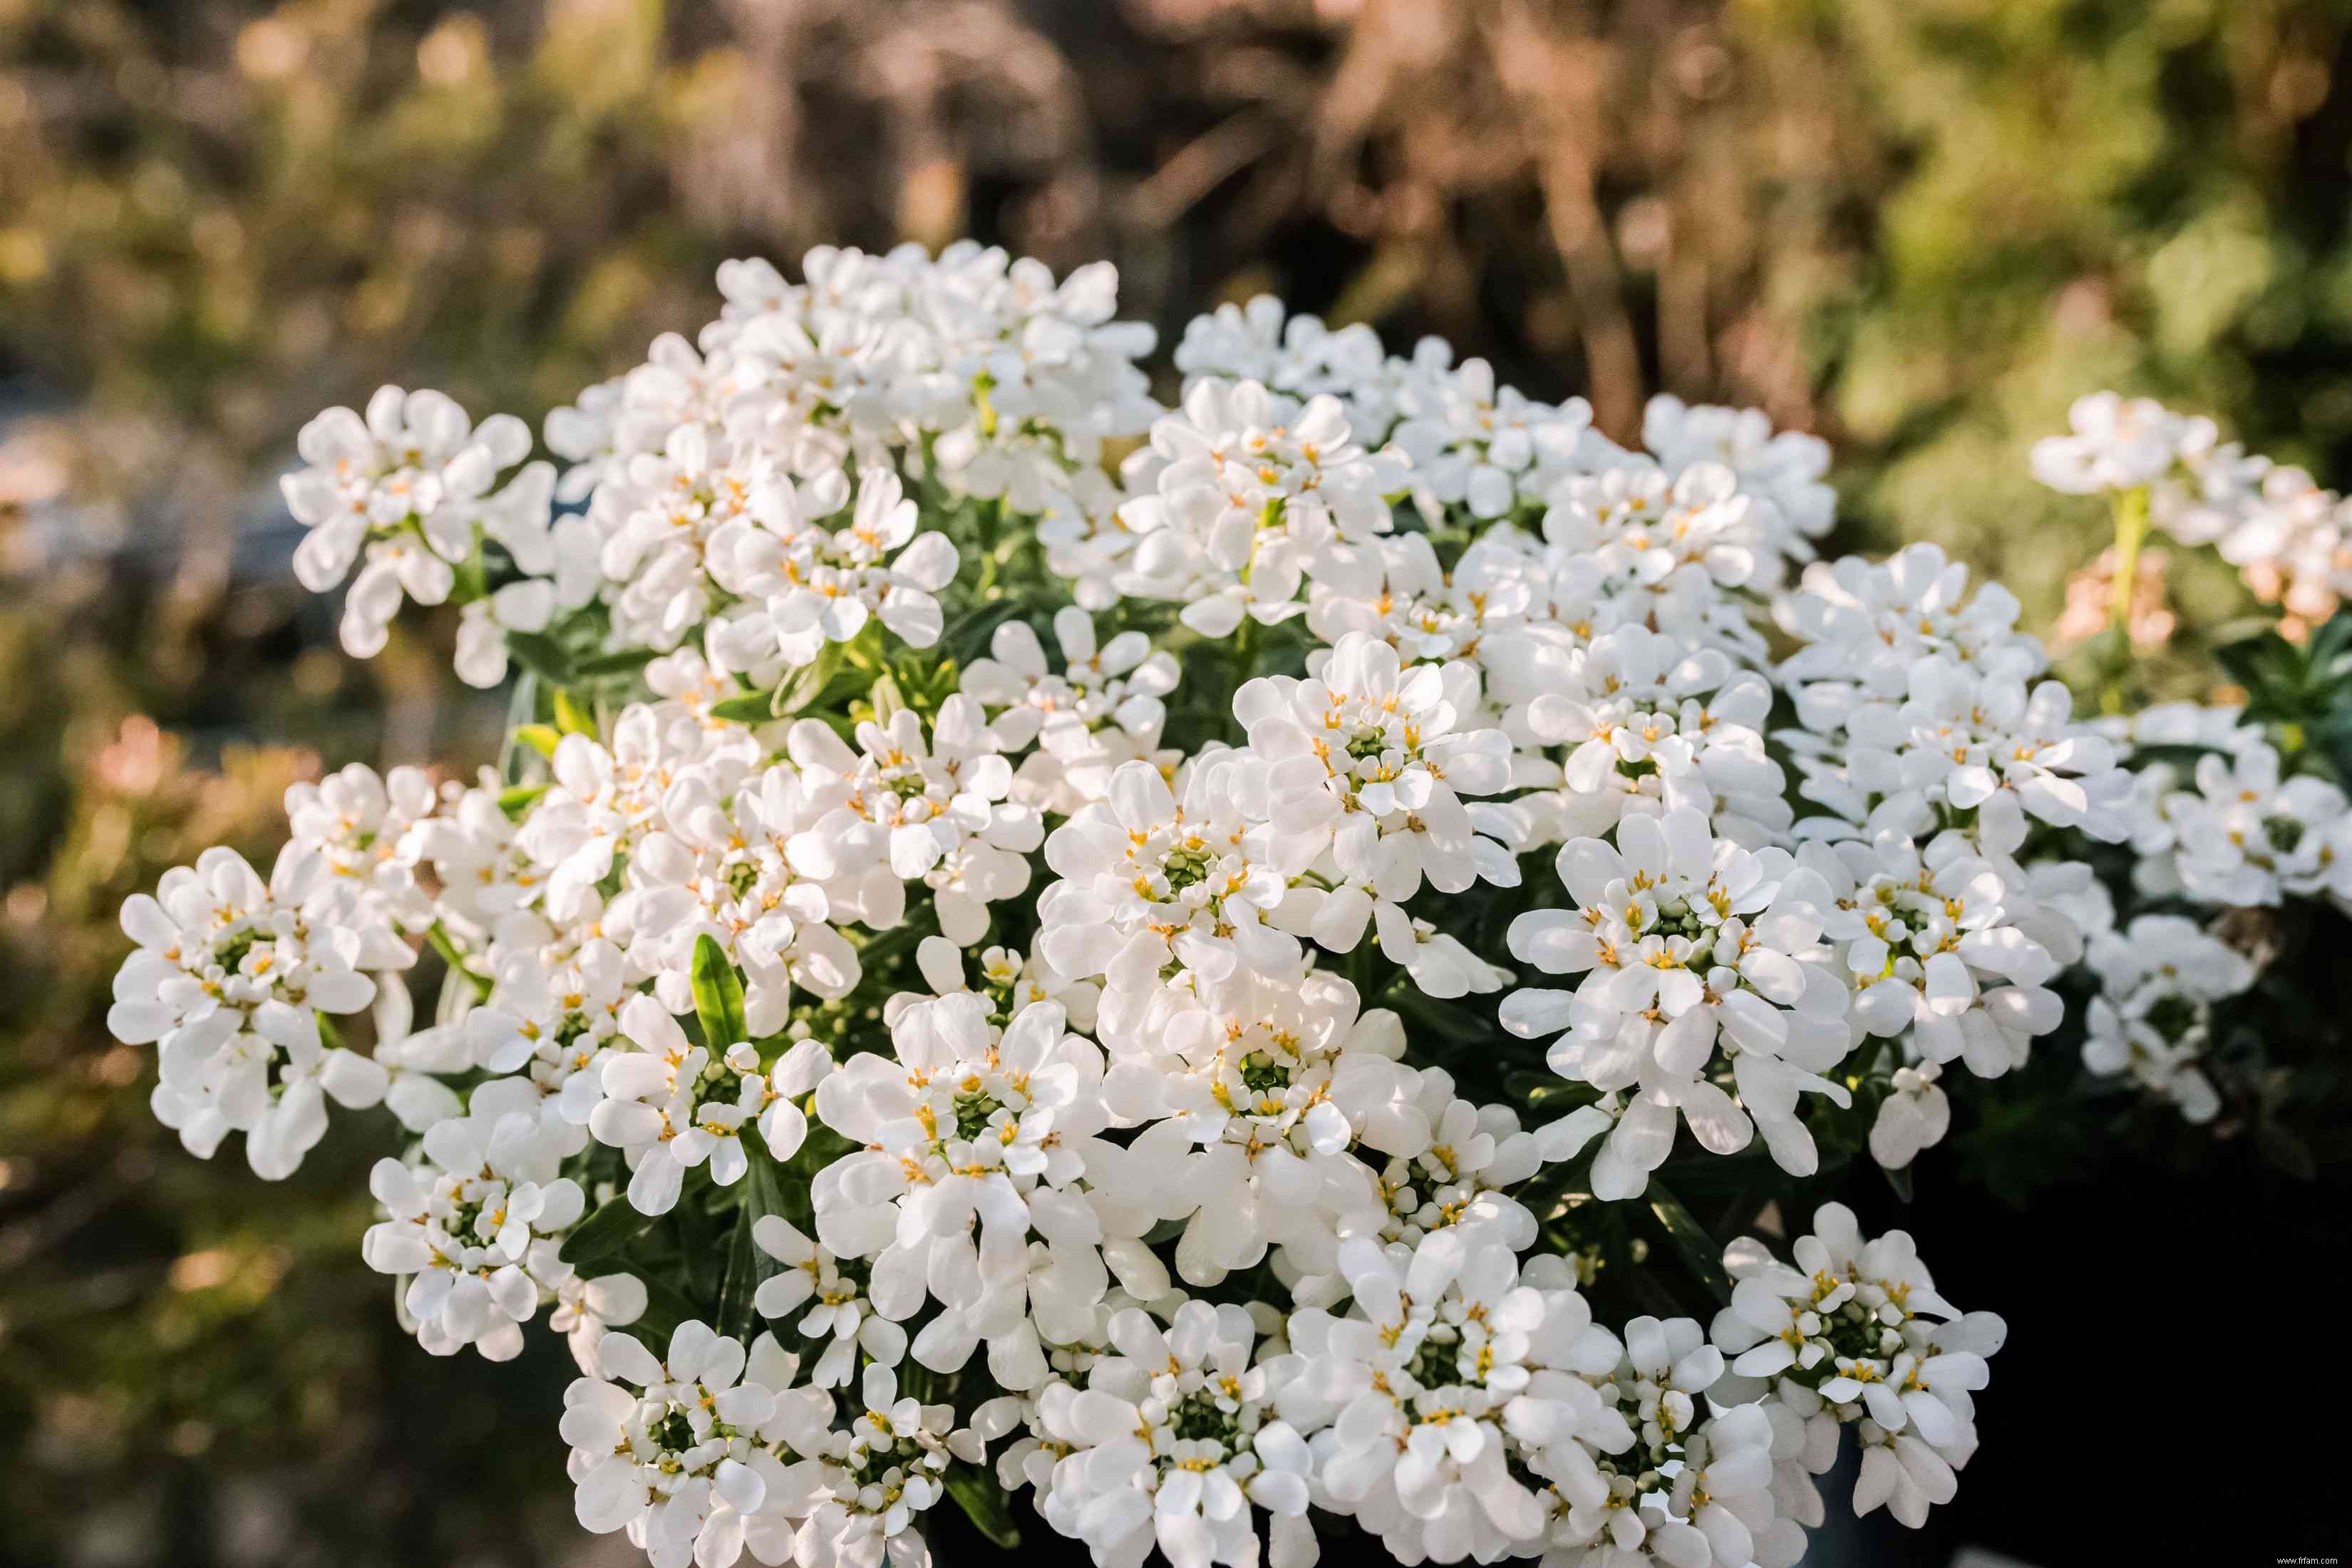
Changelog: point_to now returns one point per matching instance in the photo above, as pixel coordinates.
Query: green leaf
(539, 738)
(748, 708)
(1699, 1250)
(806, 684)
(542, 656)
(1900, 1180)
(516, 800)
(605, 1232)
(718, 995)
(740, 1288)
(984, 1503)
(890, 943)
(885, 697)
(2330, 653)
(666, 1309)
(1452, 1024)
(969, 635)
(748, 1267)
(628, 661)
(439, 936)
(571, 718)
(472, 579)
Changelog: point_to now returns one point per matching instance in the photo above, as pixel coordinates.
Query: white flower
(1253, 494)
(967, 1131)
(1366, 763)
(2244, 836)
(1864, 626)
(805, 584)
(1102, 708)
(1298, 357)
(365, 827)
(1941, 945)
(1681, 938)
(1450, 1378)
(1915, 1115)
(2158, 980)
(1152, 876)
(482, 626)
(670, 1106)
(2289, 538)
(1963, 740)
(1174, 1441)
(1462, 1176)
(1689, 1490)
(1783, 469)
(1647, 723)
(230, 979)
(1858, 1324)
(604, 798)
(587, 1309)
(864, 1472)
(2117, 444)
(1426, 612)
(834, 1295)
(1475, 444)
(413, 467)
(757, 874)
(934, 806)
(466, 1226)
(1273, 1098)
(684, 525)
(666, 1449)
(1666, 546)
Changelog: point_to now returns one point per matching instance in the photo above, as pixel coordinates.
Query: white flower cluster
(1917, 712)
(2226, 814)
(2289, 539)
(405, 492)
(236, 982)
(1854, 1334)
(1111, 1085)
(2158, 980)
(2236, 831)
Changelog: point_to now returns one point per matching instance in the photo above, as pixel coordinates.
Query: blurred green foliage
(1918, 226)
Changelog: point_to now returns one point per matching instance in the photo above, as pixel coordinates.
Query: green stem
(439, 936)
(2131, 532)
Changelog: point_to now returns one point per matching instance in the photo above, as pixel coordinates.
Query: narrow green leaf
(571, 718)
(1700, 1252)
(472, 579)
(628, 661)
(718, 995)
(885, 697)
(748, 1267)
(984, 1503)
(542, 656)
(517, 799)
(439, 936)
(752, 709)
(1446, 1022)
(891, 943)
(664, 1311)
(539, 738)
(969, 635)
(1900, 1180)
(804, 685)
(605, 1232)
(737, 1291)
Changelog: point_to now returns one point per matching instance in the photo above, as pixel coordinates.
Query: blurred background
(1918, 227)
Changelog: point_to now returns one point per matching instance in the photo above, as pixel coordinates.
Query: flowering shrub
(1180, 986)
